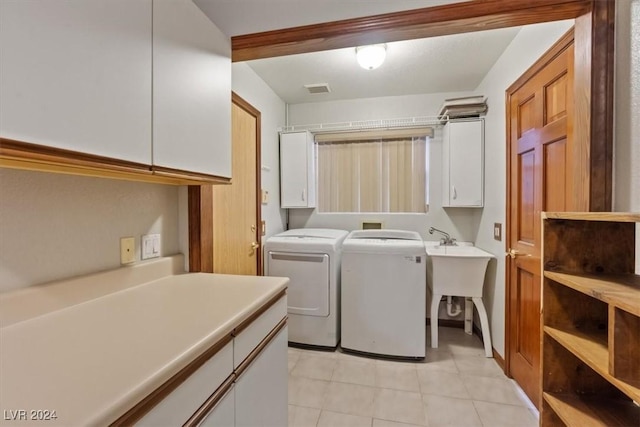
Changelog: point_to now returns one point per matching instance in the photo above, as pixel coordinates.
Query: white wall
(530, 43)
(458, 221)
(56, 226)
(627, 107)
(626, 168)
(246, 83)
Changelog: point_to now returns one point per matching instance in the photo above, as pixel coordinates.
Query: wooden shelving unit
(590, 321)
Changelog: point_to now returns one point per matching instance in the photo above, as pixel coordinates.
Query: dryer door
(308, 292)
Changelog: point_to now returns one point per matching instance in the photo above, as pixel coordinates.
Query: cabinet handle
(455, 193)
(303, 194)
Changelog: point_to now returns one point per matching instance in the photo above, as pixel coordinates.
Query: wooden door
(539, 123)
(236, 210)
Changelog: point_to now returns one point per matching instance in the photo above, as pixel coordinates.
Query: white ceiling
(438, 64)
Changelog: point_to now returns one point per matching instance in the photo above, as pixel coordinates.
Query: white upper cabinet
(76, 75)
(191, 90)
(297, 170)
(463, 163)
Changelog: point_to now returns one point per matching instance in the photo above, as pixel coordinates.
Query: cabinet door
(191, 90)
(223, 414)
(465, 164)
(261, 390)
(76, 75)
(184, 401)
(297, 170)
(446, 200)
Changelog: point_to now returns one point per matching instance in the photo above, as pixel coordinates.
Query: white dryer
(383, 293)
(310, 258)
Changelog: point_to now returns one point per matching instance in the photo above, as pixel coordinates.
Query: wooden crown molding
(406, 25)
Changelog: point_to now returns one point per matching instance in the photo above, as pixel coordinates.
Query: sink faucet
(446, 240)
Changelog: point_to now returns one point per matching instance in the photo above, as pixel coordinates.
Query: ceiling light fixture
(371, 57)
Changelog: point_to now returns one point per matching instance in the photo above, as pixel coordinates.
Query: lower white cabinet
(252, 391)
(224, 413)
(181, 403)
(261, 389)
(297, 170)
(463, 163)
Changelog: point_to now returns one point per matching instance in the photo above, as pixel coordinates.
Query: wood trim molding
(496, 356)
(555, 50)
(266, 306)
(406, 25)
(190, 177)
(594, 68)
(27, 152)
(25, 155)
(145, 405)
(499, 360)
(246, 106)
(200, 207)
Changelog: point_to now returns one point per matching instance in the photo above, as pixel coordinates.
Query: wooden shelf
(593, 351)
(619, 290)
(589, 411)
(590, 320)
(594, 216)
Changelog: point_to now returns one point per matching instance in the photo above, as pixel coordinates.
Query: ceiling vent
(318, 88)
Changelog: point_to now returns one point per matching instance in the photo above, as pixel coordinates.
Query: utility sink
(457, 271)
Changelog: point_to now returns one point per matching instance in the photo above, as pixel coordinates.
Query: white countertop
(92, 361)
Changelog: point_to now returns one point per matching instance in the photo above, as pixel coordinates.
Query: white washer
(383, 293)
(310, 258)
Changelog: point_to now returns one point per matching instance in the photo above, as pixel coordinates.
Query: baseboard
(496, 356)
(499, 360)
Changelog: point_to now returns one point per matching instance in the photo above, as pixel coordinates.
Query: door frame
(255, 113)
(200, 207)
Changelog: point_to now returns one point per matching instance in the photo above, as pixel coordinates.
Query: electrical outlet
(150, 246)
(127, 250)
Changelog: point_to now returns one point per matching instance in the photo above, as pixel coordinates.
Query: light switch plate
(265, 197)
(497, 231)
(127, 250)
(150, 246)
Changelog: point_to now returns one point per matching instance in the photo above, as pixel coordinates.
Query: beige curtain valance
(372, 135)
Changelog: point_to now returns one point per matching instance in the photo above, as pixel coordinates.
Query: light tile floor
(455, 386)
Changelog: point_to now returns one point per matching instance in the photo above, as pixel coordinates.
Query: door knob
(255, 245)
(515, 253)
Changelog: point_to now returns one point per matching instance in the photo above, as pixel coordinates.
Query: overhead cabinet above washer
(463, 163)
(297, 170)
